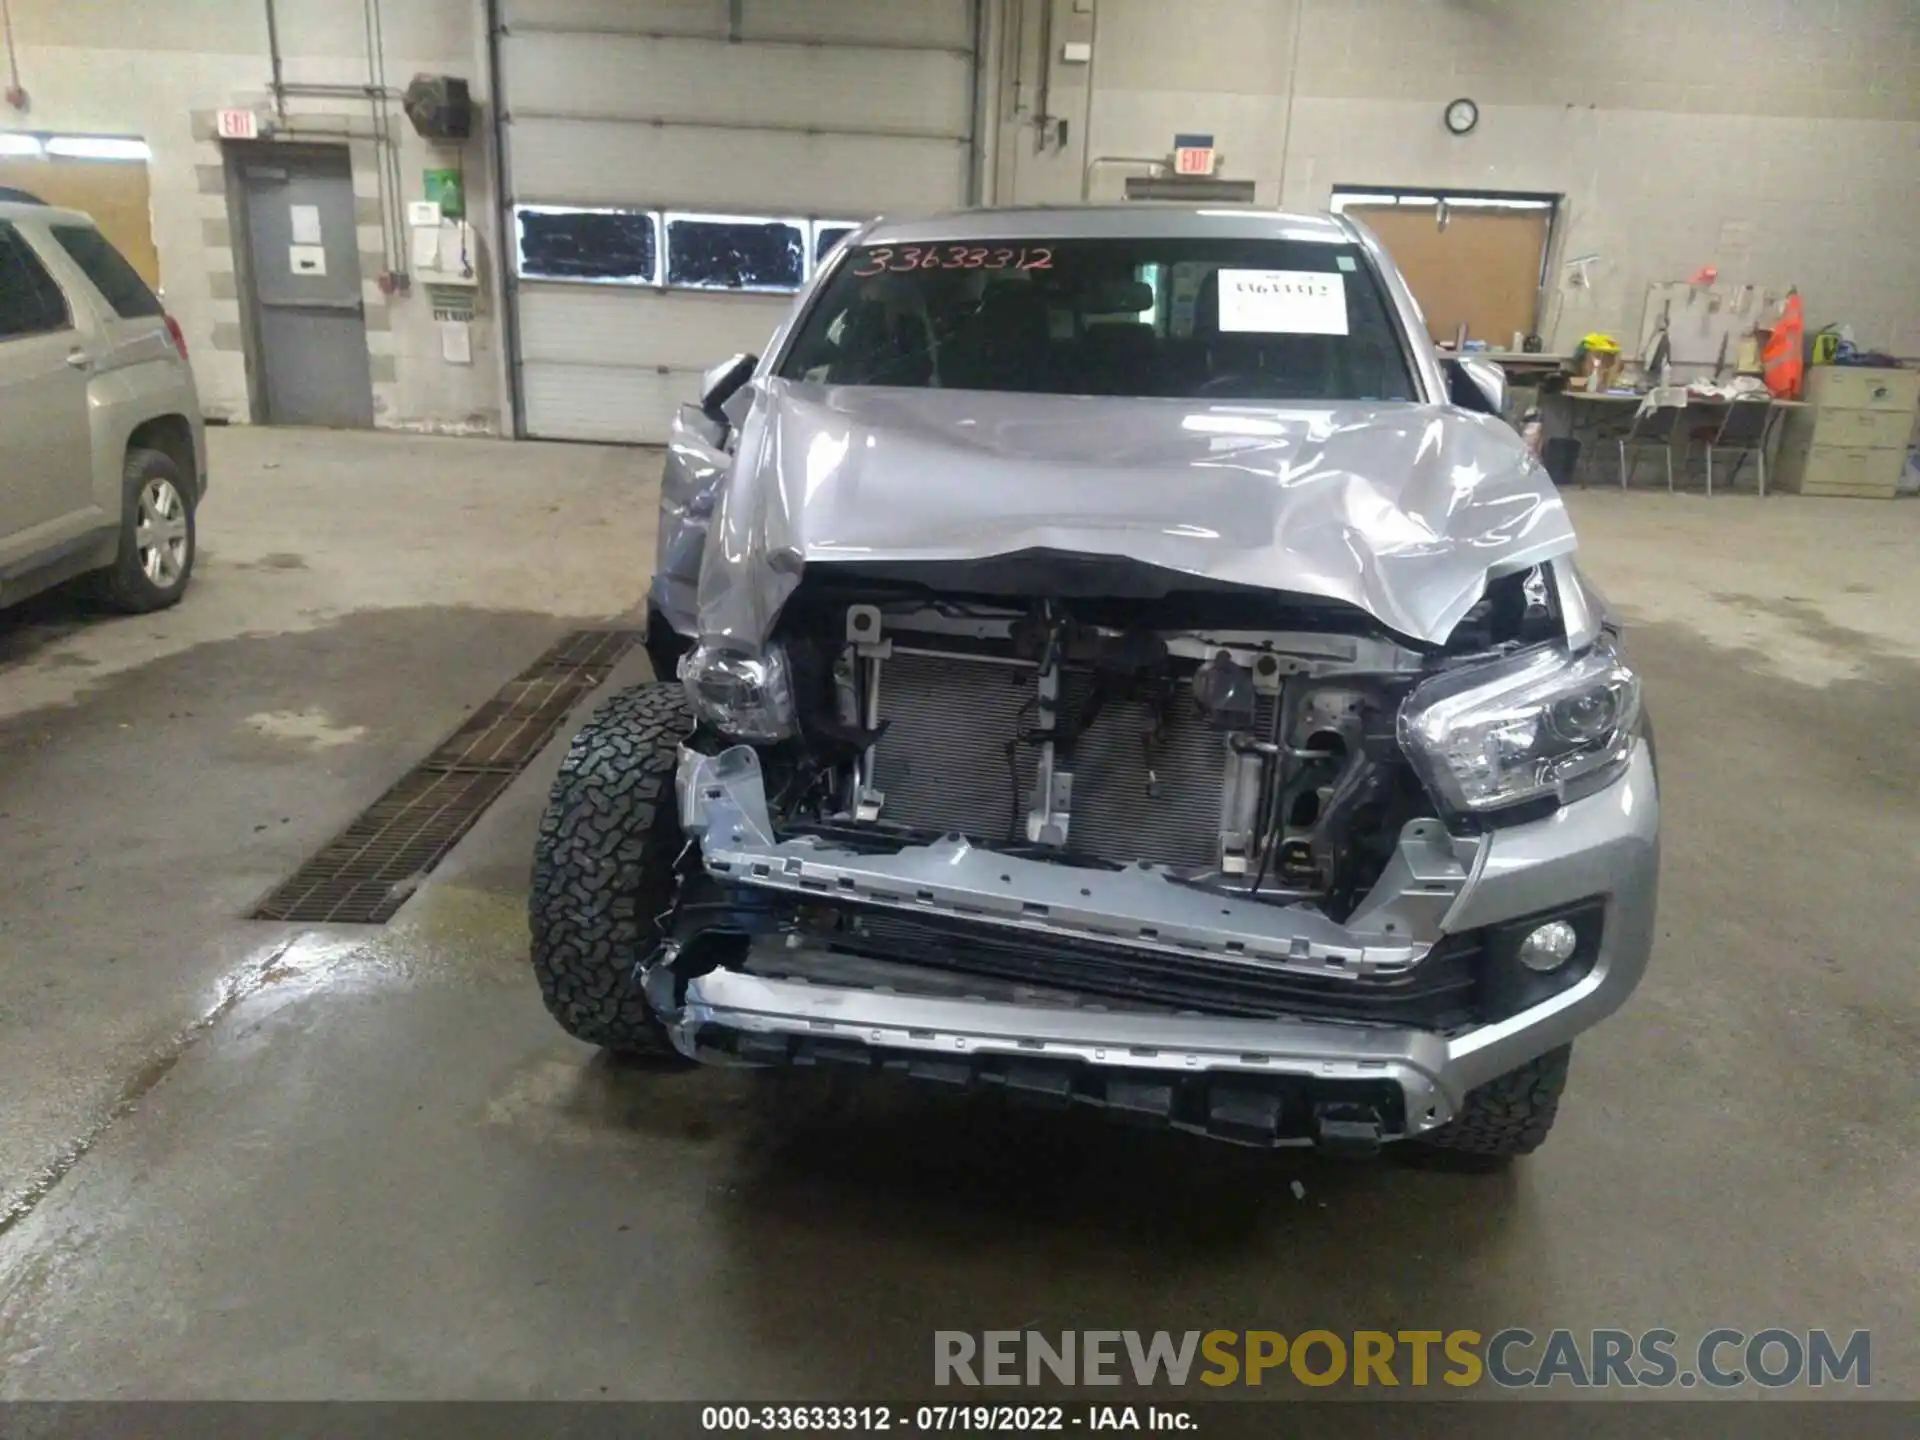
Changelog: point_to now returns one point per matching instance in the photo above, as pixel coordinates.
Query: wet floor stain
(607, 1100)
(886, 1157)
(452, 930)
(274, 966)
(1809, 620)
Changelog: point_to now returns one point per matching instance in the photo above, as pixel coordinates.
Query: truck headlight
(1545, 723)
(744, 697)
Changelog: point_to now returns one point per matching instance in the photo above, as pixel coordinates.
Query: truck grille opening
(1441, 993)
(945, 763)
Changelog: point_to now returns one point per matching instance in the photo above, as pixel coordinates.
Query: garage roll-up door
(676, 168)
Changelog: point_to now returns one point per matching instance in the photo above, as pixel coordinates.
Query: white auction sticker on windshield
(1284, 302)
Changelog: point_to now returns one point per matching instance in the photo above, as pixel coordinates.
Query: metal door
(309, 324)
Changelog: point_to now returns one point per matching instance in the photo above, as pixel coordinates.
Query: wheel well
(172, 437)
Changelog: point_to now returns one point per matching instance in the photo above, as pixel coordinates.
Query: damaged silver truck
(1108, 654)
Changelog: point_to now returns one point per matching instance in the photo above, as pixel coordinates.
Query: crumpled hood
(1403, 510)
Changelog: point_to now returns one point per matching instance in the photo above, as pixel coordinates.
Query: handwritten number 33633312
(953, 257)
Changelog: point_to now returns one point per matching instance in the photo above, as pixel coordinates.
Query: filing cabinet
(1853, 437)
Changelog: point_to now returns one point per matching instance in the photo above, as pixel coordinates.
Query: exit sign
(1193, 155)
(238, 125)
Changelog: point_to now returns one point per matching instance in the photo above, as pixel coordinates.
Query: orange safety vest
(1783, 361)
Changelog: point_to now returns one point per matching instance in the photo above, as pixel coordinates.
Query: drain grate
(368, 870)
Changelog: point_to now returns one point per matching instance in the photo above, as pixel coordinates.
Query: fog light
(1549, 947)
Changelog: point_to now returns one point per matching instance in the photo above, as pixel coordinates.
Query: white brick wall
(1661, 121)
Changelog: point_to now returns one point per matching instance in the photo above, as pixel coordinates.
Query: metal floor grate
(368, 870)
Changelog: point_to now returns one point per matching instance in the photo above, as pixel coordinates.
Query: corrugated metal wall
(757, 110)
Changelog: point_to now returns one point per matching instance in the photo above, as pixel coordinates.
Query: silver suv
(1119, 662)
(102, 453)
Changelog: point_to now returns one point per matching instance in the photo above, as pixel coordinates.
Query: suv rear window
(109, 271)
(30, 303)
(1205, 318)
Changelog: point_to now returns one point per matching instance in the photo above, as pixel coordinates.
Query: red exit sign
(1193, 155)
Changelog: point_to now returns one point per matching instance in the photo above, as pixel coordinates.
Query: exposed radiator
(943, 763)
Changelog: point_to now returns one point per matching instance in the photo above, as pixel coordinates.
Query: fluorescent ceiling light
(96, 147)
(12, 142)
(1484, 202)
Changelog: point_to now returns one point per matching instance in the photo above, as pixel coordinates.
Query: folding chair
(1656, 422)
(1743, 430)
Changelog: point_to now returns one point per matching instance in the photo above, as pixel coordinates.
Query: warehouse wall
(1779, 139)
(160, 68)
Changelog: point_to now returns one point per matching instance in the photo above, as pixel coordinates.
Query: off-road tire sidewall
(127, 586)
(1508, 1116)
(603, 867)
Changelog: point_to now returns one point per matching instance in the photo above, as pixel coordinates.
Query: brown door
(1483, 268)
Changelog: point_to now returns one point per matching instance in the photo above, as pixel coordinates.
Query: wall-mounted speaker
(439, 107)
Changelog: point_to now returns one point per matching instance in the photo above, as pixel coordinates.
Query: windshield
(1196, 318)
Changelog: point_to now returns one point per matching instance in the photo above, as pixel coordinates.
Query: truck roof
(1135, 221)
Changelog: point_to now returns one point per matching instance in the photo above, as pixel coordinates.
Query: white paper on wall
(306, 224)
(456, 342)
(307, 259)
(1285, 302)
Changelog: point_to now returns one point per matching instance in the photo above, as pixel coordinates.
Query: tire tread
(603, 867)
(1508, 1116)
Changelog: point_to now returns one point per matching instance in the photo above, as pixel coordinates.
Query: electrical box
(445, 258)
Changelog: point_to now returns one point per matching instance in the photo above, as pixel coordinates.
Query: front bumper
(1603, 847)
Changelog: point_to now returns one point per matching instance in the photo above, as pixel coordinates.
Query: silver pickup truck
(1108, 654)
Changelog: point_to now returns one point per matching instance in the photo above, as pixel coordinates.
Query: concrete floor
(245, 1160)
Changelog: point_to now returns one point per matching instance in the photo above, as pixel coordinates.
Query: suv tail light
(173, 333)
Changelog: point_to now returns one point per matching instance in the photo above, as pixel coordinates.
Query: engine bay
(1258, 763)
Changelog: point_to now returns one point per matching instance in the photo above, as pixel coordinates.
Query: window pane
(610, 247)
(117, 281)
(829, 233)
(736, 252)
(1252, 319)
(30, 303)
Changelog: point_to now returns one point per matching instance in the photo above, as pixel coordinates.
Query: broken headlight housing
(744, 697)
(1543, 724)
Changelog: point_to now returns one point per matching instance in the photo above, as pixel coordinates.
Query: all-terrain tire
(1508, 1116)
(603, 868)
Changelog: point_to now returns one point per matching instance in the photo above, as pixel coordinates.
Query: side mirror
(722, 382)
(1474, 383)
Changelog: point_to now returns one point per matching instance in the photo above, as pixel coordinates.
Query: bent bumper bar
(1605, 845)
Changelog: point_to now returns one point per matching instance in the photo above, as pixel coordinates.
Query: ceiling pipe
(279, 84)
(1153, 163)
(351, 92)
(16, 93)
(1293, 87)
